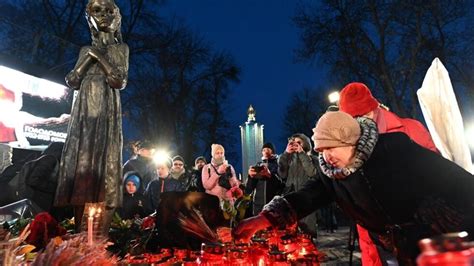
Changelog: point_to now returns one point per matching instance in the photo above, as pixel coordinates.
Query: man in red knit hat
(357, 100)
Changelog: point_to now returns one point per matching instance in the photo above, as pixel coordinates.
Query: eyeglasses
(178, 164)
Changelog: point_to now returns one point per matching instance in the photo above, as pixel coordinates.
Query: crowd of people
(381, 170)
(146, 179)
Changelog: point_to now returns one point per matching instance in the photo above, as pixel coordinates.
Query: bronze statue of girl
(91, 164)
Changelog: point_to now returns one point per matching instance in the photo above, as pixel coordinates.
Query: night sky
(262, 38)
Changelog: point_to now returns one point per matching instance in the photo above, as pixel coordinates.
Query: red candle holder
(238, 257)
(211, 254)
(258, 251)
(181, 254)
(288, 244)
(447, 249)
(277, 258)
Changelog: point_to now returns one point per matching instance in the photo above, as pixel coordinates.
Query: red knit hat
(356, 99)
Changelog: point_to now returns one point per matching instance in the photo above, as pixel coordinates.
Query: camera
(258, 168)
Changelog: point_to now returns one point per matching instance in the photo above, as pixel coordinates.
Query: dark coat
(133, 204)
(402, 193)
(196, 181)
(265, 189)
(296, 168)
(158, 186)
(185, 178)
(37, 179)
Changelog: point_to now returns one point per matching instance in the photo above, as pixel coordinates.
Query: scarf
(176, 175)
(218, 162)
(365, 145)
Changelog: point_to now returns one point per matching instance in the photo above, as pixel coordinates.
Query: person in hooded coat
(133, 205)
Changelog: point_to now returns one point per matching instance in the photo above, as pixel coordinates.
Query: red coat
(388, 122)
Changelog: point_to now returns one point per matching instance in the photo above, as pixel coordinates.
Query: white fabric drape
(442, 115)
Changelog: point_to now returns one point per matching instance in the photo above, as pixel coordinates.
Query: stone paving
(336, 247)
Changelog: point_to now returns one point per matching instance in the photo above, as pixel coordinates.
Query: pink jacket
(210, 180)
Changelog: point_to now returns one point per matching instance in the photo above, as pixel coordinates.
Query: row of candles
(268, 248)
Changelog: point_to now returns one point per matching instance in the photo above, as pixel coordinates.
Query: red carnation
(235, 192)
(42, 229)
(148, 222)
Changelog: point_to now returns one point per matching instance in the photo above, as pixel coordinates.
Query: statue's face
(102, 15)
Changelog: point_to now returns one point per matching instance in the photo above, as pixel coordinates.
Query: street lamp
(333, 97)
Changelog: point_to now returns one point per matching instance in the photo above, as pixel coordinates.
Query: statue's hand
(94, 53)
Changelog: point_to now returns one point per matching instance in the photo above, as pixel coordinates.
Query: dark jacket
(403, 192)
(144, 166)
(185, 179)
(38, 178)
(195, 183)
(265, 188)
(158, 186)
(296, 168)
(133, 204)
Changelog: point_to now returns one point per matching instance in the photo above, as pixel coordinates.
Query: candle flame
(91, 211)
(261, 262)
(303, 251)
(99, 210)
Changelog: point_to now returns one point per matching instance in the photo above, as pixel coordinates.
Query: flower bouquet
(131, 236)
(234, 209)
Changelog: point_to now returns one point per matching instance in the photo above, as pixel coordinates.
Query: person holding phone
(296, 166)
(264, 179)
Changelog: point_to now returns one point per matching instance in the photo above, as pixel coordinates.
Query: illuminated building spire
(251, 114)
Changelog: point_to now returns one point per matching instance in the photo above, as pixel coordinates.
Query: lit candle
(303, 251)
(90, 226)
